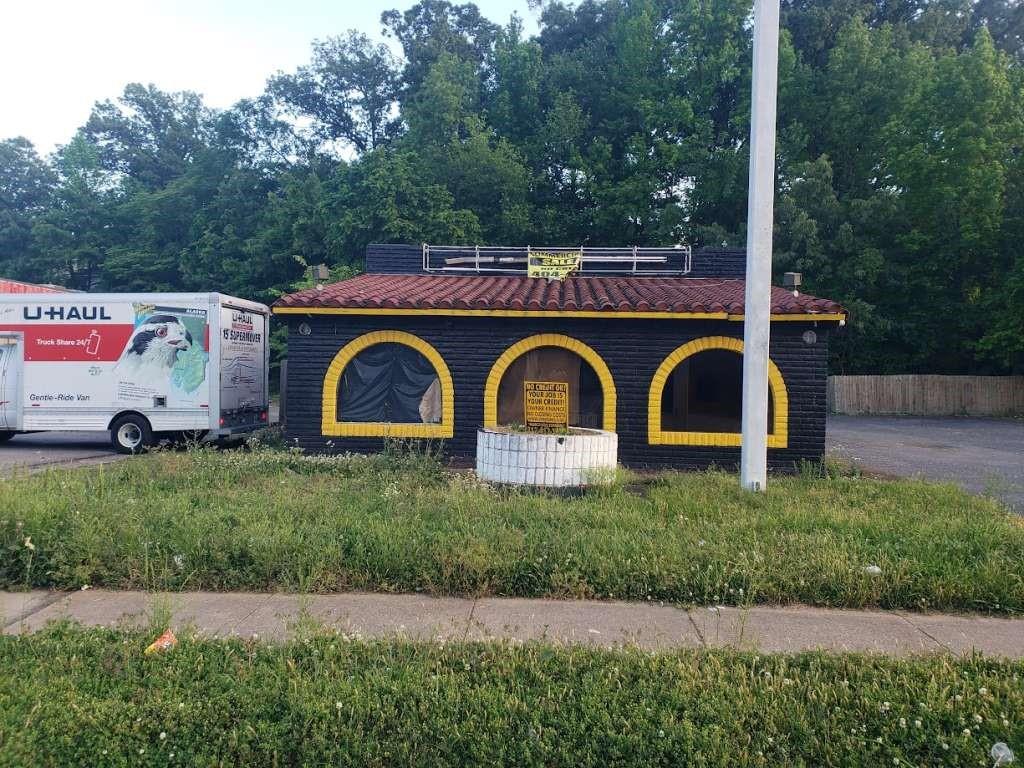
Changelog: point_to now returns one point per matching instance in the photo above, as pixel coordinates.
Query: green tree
(900, 160)
(26, 192)
(71, 236)
(384, 198)
(348, 91)
(150, 137)
(431, 28)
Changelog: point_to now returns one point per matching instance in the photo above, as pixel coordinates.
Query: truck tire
(6, 435)
(131, 434)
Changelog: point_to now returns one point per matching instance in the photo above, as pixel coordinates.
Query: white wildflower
(29, 545)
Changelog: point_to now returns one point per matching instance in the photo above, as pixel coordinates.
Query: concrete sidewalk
(274, 617)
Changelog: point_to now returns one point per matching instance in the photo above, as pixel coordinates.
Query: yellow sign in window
(546, 403)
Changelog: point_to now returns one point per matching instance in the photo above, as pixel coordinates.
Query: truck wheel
(131, 434)
(5, 435)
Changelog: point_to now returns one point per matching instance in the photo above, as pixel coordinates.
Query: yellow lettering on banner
(553, 266)
(546, 403)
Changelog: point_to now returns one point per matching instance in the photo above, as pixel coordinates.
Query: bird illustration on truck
(153, 349)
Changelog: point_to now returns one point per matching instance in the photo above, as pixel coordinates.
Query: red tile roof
(15, 286)
(574, 294)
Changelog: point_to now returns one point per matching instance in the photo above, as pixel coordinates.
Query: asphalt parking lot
(983, 456)
(45, 449)
(40, 450)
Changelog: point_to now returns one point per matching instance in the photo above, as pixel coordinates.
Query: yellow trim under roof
(834, 317)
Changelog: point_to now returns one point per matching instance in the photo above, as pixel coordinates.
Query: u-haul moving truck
(135, 365)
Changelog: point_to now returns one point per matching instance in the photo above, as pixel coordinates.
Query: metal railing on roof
(496, 259)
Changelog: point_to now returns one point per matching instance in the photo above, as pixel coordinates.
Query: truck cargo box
(150, 363)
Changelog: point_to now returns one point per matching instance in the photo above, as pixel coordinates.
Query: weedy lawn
(271, 520)
(73, 697)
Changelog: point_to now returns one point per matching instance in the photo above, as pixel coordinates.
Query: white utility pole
(760, 210)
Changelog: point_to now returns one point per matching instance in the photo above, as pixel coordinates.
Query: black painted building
(434, 343)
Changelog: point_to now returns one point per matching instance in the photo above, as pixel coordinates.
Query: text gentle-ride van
(136, 365)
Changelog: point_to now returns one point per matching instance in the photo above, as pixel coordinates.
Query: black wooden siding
(632, 349)
(400, 259)
(394, 259)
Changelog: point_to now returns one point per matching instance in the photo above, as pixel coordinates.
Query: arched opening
(586, 399)
(388, 383)
(551, 357)
(704, 393)
(696, 396)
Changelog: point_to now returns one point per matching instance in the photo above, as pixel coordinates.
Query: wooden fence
(922, 395)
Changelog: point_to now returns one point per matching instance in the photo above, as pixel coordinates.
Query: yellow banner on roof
(553, 266)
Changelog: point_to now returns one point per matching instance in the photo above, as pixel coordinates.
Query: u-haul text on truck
(136, 365)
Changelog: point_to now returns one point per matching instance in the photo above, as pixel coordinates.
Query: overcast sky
(58, 57)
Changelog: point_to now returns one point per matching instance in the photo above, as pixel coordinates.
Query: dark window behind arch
(704, 393)
(389, 382)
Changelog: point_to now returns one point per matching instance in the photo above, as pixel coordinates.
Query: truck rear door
(11, 372)
(243, 370)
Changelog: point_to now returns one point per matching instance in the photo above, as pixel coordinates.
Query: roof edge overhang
(828, 317)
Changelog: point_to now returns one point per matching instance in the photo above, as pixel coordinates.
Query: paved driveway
(31, 452)
(981, 455)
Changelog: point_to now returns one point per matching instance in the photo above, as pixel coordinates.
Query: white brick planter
(585, 457)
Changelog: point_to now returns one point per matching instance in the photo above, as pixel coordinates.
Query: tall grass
(75, 698)
(270, 520)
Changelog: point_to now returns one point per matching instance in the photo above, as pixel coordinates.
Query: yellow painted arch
(779, 437)
(331, 425)
(520, 348)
